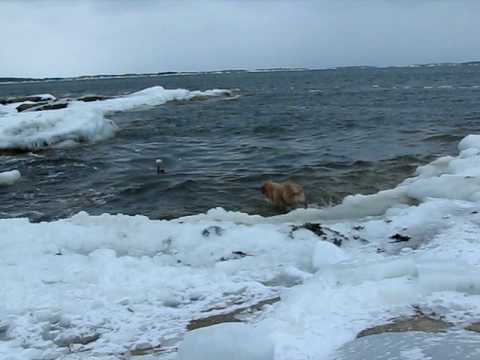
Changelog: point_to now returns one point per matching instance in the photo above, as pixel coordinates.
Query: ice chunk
(445, 187)
(469, 142)
(374, 271)
(452, 276)
(9, 177)
(232, 341)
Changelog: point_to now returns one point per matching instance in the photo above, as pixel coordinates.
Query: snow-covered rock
(80, 121)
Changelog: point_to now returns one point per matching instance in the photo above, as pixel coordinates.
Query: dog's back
(284, 196)
(294, 195)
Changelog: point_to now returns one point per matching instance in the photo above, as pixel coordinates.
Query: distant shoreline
(15, 80)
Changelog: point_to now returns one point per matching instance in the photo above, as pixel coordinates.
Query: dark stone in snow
(400, 238)
(26, 106)
(52, 106)
(3, 327)
(323, 232)
(229, 316)
(473, 327)
(418, 323)
(217, 230)
(13, 100)
(235, 255)
(91, 98)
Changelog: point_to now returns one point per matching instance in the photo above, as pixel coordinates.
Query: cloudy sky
(69, 37)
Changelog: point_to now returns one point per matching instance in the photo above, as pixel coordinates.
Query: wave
(443, 138)
(82, 122)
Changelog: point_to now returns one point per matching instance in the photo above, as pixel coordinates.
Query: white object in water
(232, 341)
(9, 177)
(159, 163)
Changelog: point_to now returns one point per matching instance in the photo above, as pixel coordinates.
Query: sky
(53, 38)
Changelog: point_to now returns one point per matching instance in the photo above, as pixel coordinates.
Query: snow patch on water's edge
(81, 122)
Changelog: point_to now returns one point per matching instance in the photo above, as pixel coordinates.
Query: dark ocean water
(337, 132)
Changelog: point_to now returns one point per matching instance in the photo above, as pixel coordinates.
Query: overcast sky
(67, 37)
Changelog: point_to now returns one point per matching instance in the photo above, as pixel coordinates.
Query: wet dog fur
(284, 196)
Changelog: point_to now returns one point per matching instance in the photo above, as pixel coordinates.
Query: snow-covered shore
(119, 283)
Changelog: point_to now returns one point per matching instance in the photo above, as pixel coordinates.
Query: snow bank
(9, 177)
(80, 122)
(127, 282)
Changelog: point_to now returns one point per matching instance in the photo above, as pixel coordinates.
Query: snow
(9, 177)
(232, 341)
(128, 282)
(80, 122)
(417, 345)
(326, 253)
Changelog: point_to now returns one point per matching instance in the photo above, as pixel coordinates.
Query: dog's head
(263, 189)
(266, 188)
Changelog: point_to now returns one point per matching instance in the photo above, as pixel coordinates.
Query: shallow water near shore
(337, 132)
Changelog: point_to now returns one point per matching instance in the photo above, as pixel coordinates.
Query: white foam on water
(136, 282)
(80, 122)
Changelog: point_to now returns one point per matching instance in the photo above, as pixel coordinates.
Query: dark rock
(13, 152)
(51, 106)
(3, 327)
(91, 98)
(217, 230)
(240, 253)
(13, 100)
(230, 316)
(235, 255)
(418, 323)
(26, 106)
(143, 349)
(473, 327)
(400, 238)
(212, 320)
(317, 229)
(323, 232)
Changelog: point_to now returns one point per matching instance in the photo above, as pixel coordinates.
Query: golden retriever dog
(284, 196)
